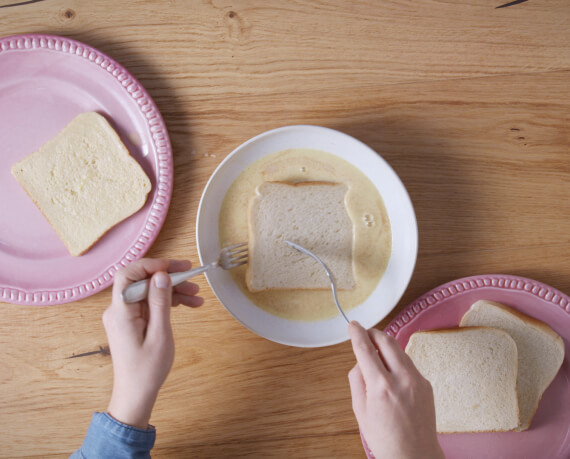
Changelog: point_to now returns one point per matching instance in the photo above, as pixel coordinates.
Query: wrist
(131, 409)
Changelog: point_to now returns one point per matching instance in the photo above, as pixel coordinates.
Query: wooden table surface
(468, 103)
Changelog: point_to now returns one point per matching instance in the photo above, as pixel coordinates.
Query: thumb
(159, 305)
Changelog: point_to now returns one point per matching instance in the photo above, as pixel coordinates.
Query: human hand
(140, 337)
(392, 401)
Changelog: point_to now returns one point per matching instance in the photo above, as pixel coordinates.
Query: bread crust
(457, 329)
(532, 322)
(526, 318)
(97, 121)
(252, 239)
(304, 183)
(67, 246)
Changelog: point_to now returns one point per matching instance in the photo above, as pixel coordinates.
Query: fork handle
(138, 291)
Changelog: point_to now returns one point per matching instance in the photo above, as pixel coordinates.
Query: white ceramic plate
(400, 212)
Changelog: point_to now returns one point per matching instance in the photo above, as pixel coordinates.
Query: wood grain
(208, 49)
(468, 104)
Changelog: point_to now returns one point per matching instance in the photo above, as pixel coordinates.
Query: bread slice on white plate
(540, 350)
(84, 181)
(311, 214)
(473, 372)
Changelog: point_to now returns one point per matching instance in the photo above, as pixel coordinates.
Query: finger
(191, 301)
(357, 391)
(396, 360)
(176, 266)
(143, 269)
(368, 360)
(187, 288)
(136, 271)
(145, 312)
(159, 304)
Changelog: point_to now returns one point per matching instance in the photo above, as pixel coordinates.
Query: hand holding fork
(230, 257)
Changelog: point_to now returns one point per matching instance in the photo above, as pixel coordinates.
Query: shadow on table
(436, 173)
(461, 219)
(266, 400)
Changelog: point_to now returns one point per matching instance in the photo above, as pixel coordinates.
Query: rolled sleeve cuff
(109, 438)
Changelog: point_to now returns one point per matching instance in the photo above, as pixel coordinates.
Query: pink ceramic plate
(44, 82)
(549, 434)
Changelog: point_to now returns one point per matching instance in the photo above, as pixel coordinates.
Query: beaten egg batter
(372, 234)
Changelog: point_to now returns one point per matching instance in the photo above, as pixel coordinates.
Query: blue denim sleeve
(108, 438)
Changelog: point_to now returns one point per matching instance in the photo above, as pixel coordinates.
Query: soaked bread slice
(311, 214)
(473, 372)
(540, 350)
(84, 181)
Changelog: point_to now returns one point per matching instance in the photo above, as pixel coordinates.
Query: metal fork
(230, 257)
(329, 275)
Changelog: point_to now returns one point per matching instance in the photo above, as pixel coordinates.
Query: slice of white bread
(84, 181)
(311, 214)
(540, 350)
(473, 372)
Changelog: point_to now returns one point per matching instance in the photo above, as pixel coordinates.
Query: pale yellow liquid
(372, 235)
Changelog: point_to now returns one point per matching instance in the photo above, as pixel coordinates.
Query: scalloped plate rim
(161, 195)
(394, 328)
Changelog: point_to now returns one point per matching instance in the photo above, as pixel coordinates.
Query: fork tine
(234, 255)
(236, 264)
(235, 246)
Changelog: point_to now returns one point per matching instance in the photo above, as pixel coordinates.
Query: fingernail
(356, 323)
(161, 280)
